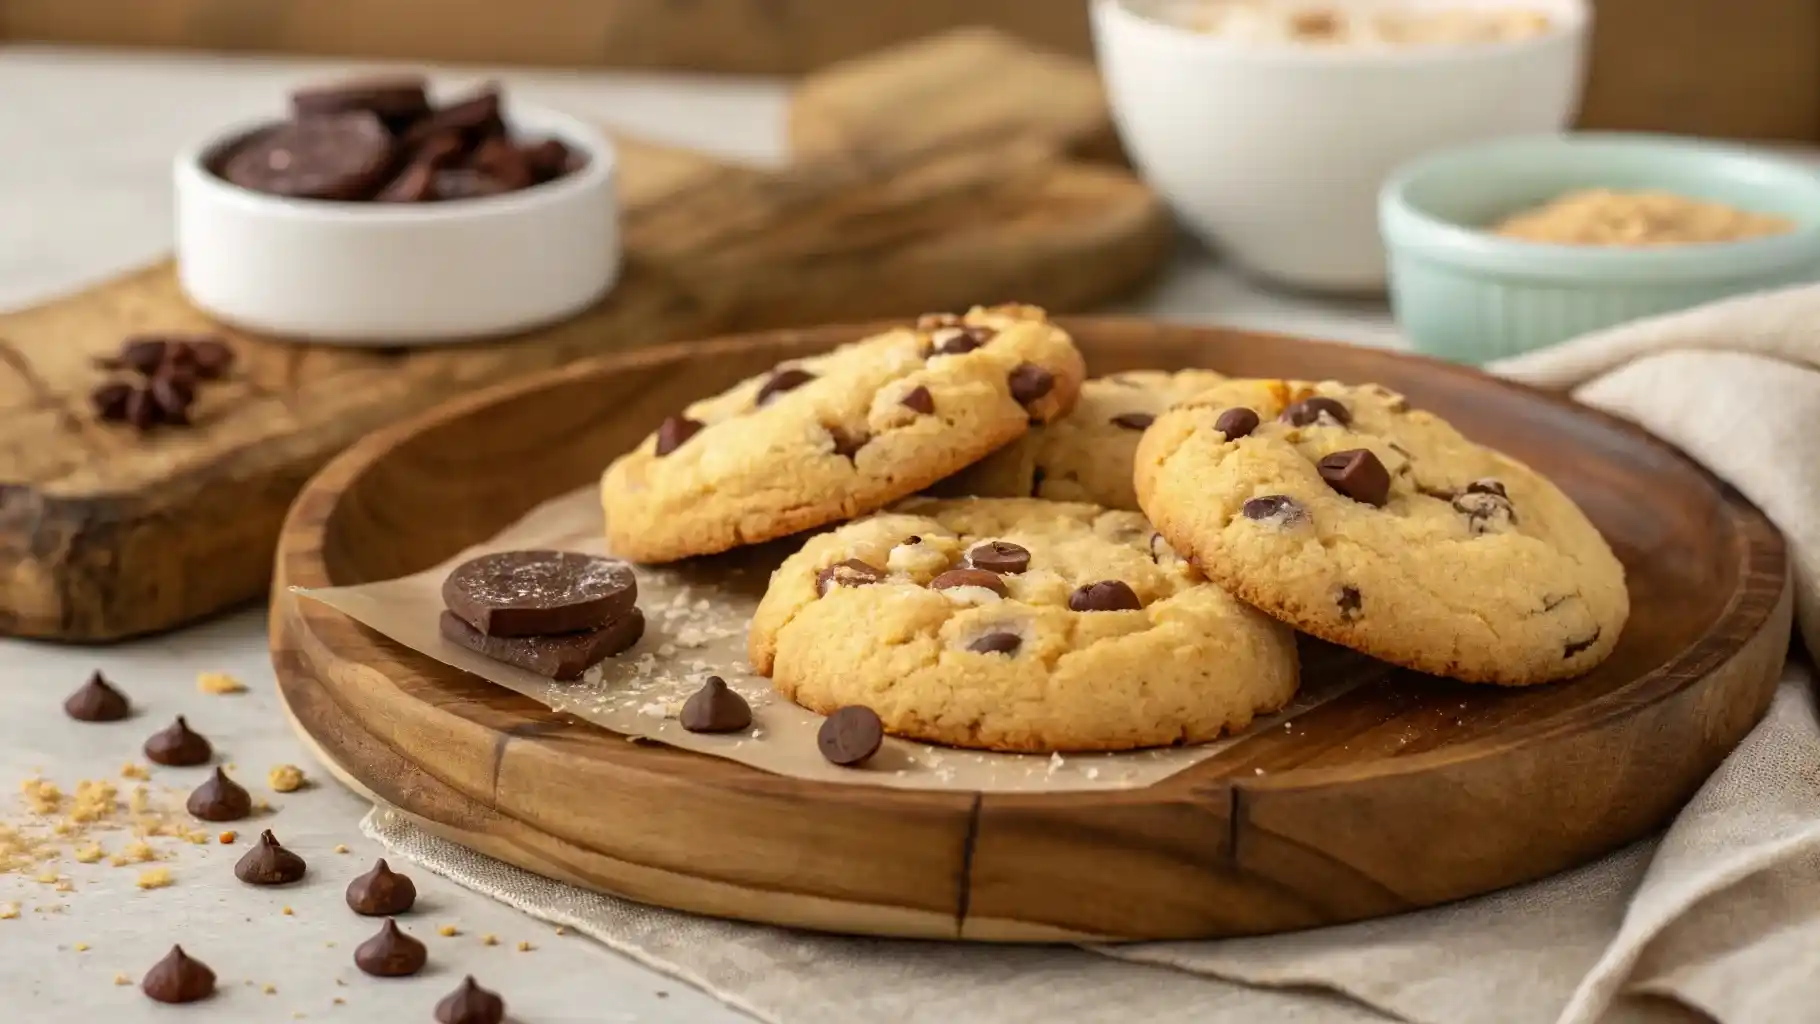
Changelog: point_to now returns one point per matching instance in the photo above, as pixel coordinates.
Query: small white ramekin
(1274, 153)
(389, 274)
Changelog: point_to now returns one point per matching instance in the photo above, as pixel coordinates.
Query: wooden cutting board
(104, 534)
(1401, 791)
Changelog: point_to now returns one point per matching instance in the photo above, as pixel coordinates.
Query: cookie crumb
(47, 877)
(89, 854)
(218, 683)
(122, 979)
(156, 878)
(270, 990)
(287, 912)
(560, 930)
(135, 852)
(227, 837)
(81, 947)
(338, 1001)
(8, 911)
(525, 947)
(341, 848)
(65, 885)
(130, 770)
(489, 940)
(448, 931)
(285, 778)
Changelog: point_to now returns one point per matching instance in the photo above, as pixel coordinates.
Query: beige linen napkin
(1720, 915)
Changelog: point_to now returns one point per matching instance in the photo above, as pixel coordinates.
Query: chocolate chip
(141, 355)
(969, 578)
(997, 643)
(500, 160)
(97, 701)
(390, 953)
(470, 1004)
(563, 657)
(220, 798)
(535, 593)
(850, 735)
(850, 573)
(1280, 507)
(956, 340)
(211, 357)
(1310, 410)
(1133, 420)
(1000, 556)
(178, 979)
(788, 379)
(715, 708)
(142, 410)
(177, 746)
(269, 863)
(172, 394)
(919, 400)
(1236, 423)
(381, 892)
(1030, 382)
(846, 445)
(1104, 596)
(1485, 511)
(109, 401)
(913, 539)
(1487, 486)
(1350, 603)
(1358, 474)
(674, 431)
(1576, 646)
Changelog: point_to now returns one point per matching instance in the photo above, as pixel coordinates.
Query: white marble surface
(83, 194)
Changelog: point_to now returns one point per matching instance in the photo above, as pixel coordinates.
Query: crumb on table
(156, 878)
(219, 683)
(285, 778)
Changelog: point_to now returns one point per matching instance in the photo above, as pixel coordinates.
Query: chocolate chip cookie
(826, 438)
(1018, 625)
(1086, 455)
(1352, 516)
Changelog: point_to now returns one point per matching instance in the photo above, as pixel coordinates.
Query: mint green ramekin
(1463, 294)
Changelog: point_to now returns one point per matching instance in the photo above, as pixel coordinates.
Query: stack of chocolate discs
(554, 613)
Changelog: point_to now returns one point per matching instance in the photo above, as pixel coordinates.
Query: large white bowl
(395, 273)
(1275, 153)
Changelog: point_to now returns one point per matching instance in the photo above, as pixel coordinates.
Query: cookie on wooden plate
(1019, 625)
(1086, 455)
(830, 437)
(1352, 516)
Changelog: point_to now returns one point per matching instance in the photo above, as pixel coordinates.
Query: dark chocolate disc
(534, 593)
(341, 156)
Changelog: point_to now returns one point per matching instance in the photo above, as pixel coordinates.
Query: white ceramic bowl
(401, 274)
(1274, 153)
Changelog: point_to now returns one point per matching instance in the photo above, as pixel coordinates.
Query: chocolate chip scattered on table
(381, 892)
(382, 140)
(162, 375)
(553, 613)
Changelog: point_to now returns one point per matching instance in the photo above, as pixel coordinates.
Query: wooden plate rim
(1762, 553)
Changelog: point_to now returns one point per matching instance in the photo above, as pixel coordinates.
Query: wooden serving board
(1404, 792)
(104, 534)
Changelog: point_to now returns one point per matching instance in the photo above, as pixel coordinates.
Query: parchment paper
(696, 614)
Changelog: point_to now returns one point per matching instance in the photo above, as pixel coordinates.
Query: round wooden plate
(1405, 792)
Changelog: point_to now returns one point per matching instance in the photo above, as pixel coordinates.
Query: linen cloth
(1718, 918)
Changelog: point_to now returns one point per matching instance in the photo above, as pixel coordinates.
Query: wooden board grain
(104, 534)
(1404, 792)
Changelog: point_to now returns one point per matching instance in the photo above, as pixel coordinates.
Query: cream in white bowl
(1273, 150)
(401, 273)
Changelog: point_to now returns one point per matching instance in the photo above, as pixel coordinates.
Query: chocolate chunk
(969, 578)
(1487, 486)
(97, 701)
(1000, 556)
(178, 979)
(913, 539)
(850, 735)
(1030, 382)
(463, 183)
(1133, 420)
(269, 863)
(381, 892)
(674, 431)
(850, 573)
(1104, 596)
(142, 410)
(548, 159)
(956, 340)
(563, 657)
(177, 746)
(1310, 410)
(339, 157)
(787, 379)
(536, 593)
(1576, 646)
(140, 355)
(997, 643)
(220, 798)
(1280, 507)
(1358, 474)
(919, 400)
(498, 159)
(1350, 602)
(397, 99)
(415, 184)
(172, 394)
(470, 1004)
(715, 708)
(846, 445)
(1236, 423)
(390, 953)
(1485, 511)
(476, 118)
(109, 401)
(211, 357)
